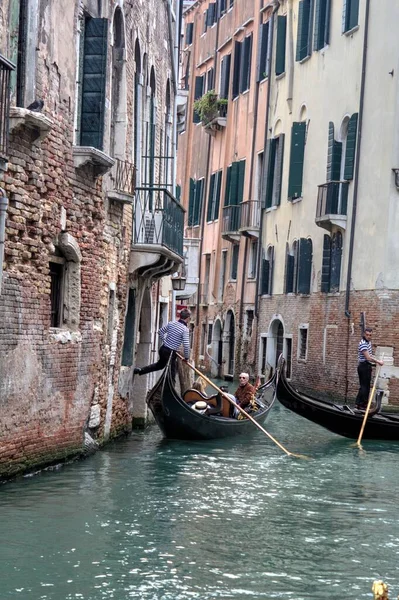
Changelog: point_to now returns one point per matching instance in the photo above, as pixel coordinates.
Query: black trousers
(164, 353)
(364, 372)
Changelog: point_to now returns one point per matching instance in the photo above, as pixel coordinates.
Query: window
(350, 148)
(234, 191)
(128, 341)
(94, 70)
(288, 346)
(245, 64)
(195, 202)
(57, 272)
(214, 196)
(222, 7)
(22, 52)
(274, 171)
(189, 33)
(234, 261)
(205, 22)
(212, 14)
(198, 93)
(334, 156)
(350, 15)
(280, 44)
(207, 275)
(263, 59)
(267, 272)
(225, 76)
(249, 323)
(222, 280)
(204, 335)
(304, 33)
(263, 354)
(303, 342)
(210, 331)
(236, 69)
(111, 315)
(65, 282)
(209, 79)
(331, 268)
(298, 268)
(298, 140)
(253, 260)
(321, 36)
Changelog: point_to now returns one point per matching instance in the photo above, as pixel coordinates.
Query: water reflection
(151, 519)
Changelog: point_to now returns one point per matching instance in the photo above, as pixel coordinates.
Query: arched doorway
(217, 349)
(229, 343)
(275, 342)
(144, 356)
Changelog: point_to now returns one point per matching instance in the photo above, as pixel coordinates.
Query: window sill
(333, 294)
(36, 121)
(302, 360)
(86, 155)
(304, 295)
(281, 76)
(351, 31)
(296, 200)
(271, 208)
(245, 92)
(266, 296)
(303, 60)
(232, 281)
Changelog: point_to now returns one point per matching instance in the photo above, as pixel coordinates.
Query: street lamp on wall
(178, 283)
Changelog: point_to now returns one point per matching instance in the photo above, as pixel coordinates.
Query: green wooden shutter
(271, 263)
(217, 196)
(269, 172)
(227, 188)
(234, 261)
(353, 16)
(240, 182)
(265, 277)
(289, 273)
(225, 77)
(245, 66)
(326, 265)
(189, 33)
(209, 213)
(198, 92)
(327, 23)
(278, 172)
(199, 194)
(262, 52)
(305, 265)
(280, 44)
(336, 256)
(94, 79)
(302, 41)
(191, 203)
(298, 135)
(236, 70)
(178, 192)
(234, 184)
(350, 147)
(334, 156)
(320, 38)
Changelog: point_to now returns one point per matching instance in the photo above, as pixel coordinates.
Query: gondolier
(365, 362)
(173, 335)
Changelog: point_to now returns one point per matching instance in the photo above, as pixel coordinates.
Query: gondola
(178, 420)
(338, 418)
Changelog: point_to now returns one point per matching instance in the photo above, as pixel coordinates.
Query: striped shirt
(363, 346)
(174, 334)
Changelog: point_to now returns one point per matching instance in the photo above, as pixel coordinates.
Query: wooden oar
(242, 411)
(371, 396)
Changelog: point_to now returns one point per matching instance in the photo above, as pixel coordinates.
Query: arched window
(65, 287)
(267, 272)
(298, 271)
(137, 110)
(118, 89)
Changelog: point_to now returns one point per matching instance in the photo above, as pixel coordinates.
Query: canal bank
(156, 520)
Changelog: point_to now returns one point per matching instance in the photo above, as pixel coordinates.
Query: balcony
(231, 222)
(250, 218)
(332, 204)
(158, 225)
(217, 121)
(212, 112)
(5, 70)
(121, 182)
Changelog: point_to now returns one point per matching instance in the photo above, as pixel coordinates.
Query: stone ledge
(118, 196)
(22, 117)
(87, 155)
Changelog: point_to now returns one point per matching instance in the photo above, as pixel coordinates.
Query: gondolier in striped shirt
(173, 335)
(366, 360)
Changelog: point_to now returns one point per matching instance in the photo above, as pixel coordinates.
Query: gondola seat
(217, 404)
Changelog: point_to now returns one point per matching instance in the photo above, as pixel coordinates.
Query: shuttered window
(305, 266)
(334, 156)
(236, 69)
(290, 263)
(350, 15)
(331, 267)
(234, 191)
(234, 261)
(298, 136)
(326, 265)
(191, 203)
(129, 339)
(273, 171)
(321, 36)
(350, 147)
(205, 27)
(189, 33)
(228, 186)
(94, 79)
(222, 7)
(198, 93)
(214, 196)
(280, 44)
(210, 79)
(212, 14)
(245, 64)
(267, 273)
(303, 47)
(199, 193)
(262, 65)
(225, 76)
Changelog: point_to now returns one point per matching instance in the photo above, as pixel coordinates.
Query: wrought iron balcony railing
(5, 70)
(250, 215)
(123, 176)
(332, 198)
(158, 219)
(231, 219)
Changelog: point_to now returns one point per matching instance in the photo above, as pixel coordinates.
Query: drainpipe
(357, 160)
(356, 185)
(3, 212)
(276, 6)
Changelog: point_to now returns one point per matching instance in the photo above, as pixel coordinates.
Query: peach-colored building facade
(220, 157)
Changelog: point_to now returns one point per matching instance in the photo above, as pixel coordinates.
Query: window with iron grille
(303, 342)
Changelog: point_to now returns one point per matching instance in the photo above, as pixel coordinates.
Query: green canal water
(156, 520)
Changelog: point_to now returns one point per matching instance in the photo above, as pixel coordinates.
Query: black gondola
(338, 418)
(178, 420)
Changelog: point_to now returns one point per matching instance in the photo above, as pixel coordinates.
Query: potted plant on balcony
(208, 106)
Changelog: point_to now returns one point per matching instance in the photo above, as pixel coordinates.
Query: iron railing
(231, 218)
(5, 70)
(158, 219)
(332, 199)
(123, 176)
(250, 214)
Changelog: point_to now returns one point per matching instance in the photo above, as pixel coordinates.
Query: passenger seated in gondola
(245, 394)
(197, 394)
